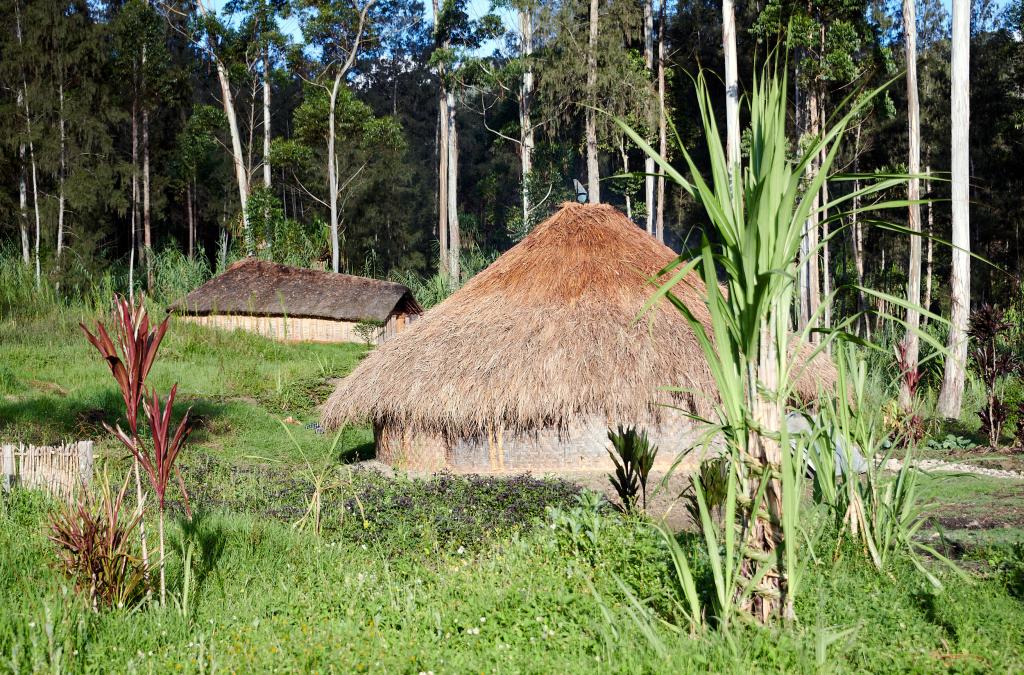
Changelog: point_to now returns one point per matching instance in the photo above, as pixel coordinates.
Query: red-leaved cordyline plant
(95, 552)
(160, 464)
(130, 360)
(910, 377)
(138, 348)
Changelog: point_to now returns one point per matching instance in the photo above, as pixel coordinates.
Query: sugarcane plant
(757, 211)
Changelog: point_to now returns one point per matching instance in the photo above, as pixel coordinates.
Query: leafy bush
(95, 548)
(949, 442)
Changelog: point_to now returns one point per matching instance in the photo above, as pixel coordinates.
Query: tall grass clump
(756, 213)
(175, 274)
(19, 293)
(880, 511)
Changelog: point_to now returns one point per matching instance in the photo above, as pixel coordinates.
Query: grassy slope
(403, 599)
(53, 386)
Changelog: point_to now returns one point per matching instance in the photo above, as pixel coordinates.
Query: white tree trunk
(625, 170)
(442, 166)
(147, 231)
(526, 136)
(732, 86)
(237, 156)
(659, 224)
(61, 171)
(135, 200)
(332, 177)
(910, 340)
(26, 247)
(31, 146)
(927, 304)
(191, 219)
(593, 167)
(951, 394)
(454, 236)
(649, 166)
(266, 117)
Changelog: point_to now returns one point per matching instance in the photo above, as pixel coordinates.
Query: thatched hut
(296, 304)
(528, 365)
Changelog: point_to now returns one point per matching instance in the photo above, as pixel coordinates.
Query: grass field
(449, 574)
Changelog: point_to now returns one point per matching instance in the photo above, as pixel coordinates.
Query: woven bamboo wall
(580, 446)
(59, 470)
(291, 329)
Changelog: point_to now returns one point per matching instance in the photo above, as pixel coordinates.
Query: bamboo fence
(58, 470)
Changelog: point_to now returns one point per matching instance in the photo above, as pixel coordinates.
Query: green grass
(404, 570)
(269, 596)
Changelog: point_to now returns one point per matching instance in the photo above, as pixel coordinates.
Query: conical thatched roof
(546, 334)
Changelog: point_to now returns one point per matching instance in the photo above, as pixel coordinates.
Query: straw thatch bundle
(545, 336)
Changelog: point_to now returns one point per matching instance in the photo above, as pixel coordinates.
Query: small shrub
(633, 457)
(713, 478)
(369, 331)
(993, 363)
(95, 550)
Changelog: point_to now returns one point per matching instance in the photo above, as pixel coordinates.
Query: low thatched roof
(546, 334)
(262, 288)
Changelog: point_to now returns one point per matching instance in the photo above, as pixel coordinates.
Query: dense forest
(371, 138)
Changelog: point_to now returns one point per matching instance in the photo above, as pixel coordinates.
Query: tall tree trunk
(191, 220)
(590, 121)
(649, 187)
(237, 156)
(26, 247)
(732, 85)
(927, 304)
(442, 164)
(659, 224)
(31, 145)
(266, 117)
(910, 340)
(62, 171)
(857, 235)
(147, 231)
(826, 260)
(135, 200)
(625, 170)
(526, 135)
(454, 236)
(332, 176)
(952, 391)
(810, 271)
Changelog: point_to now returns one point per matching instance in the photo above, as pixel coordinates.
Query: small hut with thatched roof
(534, 359)
(297, 304)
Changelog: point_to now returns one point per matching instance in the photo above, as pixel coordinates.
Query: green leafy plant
(94, 539)
(369, 331)
(949, 442)
(633, 458)
(713, 478)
